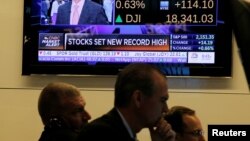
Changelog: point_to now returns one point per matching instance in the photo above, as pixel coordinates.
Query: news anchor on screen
(78, 12)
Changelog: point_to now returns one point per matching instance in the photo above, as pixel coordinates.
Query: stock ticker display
(186, 33)
(139, 18)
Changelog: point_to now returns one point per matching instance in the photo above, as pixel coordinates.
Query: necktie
(75, 17)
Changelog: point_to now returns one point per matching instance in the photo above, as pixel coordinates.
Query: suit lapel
(67, 13)
(119, 125)
(84, 14)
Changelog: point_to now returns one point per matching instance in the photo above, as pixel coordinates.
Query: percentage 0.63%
(130, 4)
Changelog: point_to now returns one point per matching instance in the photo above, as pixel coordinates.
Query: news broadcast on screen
(181, 37)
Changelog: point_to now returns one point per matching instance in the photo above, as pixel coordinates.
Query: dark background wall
(241, 25)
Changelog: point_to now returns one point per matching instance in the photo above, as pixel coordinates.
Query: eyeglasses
(196, 133)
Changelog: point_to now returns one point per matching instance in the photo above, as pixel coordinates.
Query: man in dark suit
(89, 13)
(61, 108)
(141, 93)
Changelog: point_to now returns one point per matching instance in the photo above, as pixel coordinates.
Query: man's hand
(162, 131)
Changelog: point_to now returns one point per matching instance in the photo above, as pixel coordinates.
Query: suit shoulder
(102, 122)
(97, 130)
(93, 4)
(65, 5)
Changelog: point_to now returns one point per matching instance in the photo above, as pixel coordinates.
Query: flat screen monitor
(184, 38)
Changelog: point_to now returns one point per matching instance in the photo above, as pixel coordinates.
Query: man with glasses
(185, 123)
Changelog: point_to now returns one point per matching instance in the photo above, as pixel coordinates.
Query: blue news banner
(229, 132)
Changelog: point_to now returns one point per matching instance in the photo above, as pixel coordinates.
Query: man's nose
(165, 108)
(86, 116)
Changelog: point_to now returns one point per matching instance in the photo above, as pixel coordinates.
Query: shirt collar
(126, 124)
(80, 3)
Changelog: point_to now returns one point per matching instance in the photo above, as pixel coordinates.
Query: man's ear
(137, 98)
